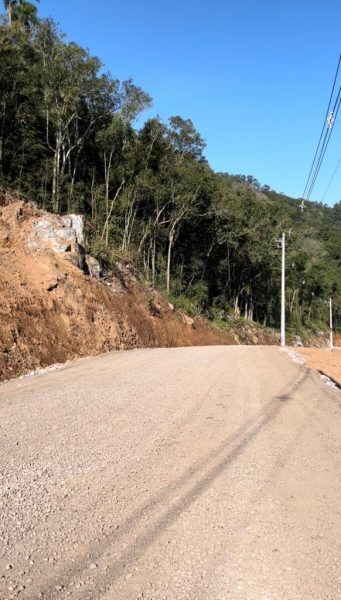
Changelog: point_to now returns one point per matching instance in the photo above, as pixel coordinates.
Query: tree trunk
(236, 306)
(107, 169)
(293, 300)
(93, 196)
(153, 261)
(105, 232)
(73, 179)
(1, 155)
(169, 259)
(129, 219)
(56, 174)
(55, 181)
(9, 14)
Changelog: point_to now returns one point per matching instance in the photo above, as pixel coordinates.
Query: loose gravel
(192, 473)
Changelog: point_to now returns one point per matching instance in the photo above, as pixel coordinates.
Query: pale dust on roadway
(191, 473)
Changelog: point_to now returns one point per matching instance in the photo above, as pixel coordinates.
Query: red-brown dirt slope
(51, 310)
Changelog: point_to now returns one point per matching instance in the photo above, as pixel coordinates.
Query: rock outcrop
(63, 235)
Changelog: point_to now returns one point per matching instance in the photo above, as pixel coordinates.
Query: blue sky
(254, 76)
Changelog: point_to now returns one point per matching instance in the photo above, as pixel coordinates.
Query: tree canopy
(68, 140)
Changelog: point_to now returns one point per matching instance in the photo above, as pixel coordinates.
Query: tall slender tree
(26, 11)
(9, 4)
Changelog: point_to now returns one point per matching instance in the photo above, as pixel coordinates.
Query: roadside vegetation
(68, 141)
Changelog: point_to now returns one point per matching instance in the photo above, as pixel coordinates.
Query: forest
(69, 142)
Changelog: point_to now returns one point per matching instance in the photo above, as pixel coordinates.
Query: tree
(184, 186)
(20, 10)
(69, 141)
(185, 139)
(111, 142)
(9, 4)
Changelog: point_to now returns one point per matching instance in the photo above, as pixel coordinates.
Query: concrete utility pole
(330, 324)
(283, 293)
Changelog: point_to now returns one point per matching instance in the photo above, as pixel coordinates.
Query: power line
(328, 132)
(325, 142)
(324, 124)
(327, 124)
(330, 125)
(331, 179)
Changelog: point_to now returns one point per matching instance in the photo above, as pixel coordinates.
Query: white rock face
(76, 223)
(63, 235)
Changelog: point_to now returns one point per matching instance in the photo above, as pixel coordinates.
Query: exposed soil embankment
(54, 306)
(323, 360)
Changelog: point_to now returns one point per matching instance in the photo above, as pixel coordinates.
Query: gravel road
(191, 473)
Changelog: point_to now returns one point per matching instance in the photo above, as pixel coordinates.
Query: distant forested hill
(68, 141)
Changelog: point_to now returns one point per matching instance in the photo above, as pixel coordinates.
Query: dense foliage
(67, 140)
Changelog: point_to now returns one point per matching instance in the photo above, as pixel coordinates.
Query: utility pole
(330, 324)
(283, 293)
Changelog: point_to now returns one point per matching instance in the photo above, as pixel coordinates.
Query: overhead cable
(325, 144)
(331, 179)
(326, 130)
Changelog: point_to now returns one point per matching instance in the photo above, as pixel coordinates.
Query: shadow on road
(239, 441)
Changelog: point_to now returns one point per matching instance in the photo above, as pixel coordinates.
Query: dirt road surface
(190, 473)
